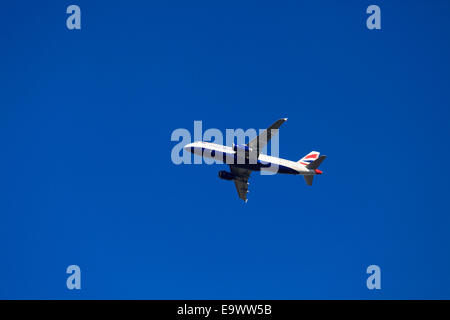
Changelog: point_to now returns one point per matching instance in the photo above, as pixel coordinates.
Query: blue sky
(86, 175)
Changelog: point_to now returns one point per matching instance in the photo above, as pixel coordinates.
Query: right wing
(263, 139)
(241, 181)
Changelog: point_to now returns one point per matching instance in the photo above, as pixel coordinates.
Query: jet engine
(245, 152)
(242, 147)
(225, 175)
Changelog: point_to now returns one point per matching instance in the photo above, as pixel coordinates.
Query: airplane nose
(188, 147)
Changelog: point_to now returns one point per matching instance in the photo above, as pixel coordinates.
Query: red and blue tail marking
(310, 157)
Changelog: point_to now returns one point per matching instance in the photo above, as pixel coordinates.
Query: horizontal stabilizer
(309, 180)
(316, 163)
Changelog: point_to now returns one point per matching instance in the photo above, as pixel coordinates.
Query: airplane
(247, 158)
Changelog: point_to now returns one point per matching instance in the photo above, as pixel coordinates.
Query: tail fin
(310, 157)
(313, 165)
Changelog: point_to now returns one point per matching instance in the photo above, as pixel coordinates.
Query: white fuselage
(228, 155)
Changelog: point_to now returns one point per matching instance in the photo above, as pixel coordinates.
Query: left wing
(241, 181)
(263, 139)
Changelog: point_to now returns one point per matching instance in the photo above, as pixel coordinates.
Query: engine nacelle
(225, 175)
(242, 147)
